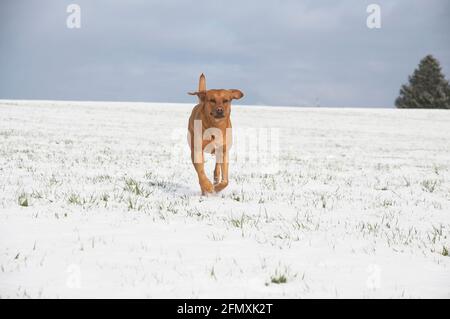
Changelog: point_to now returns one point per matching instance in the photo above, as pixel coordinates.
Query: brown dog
(210, 131)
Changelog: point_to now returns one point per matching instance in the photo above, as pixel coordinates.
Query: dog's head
(217, 103)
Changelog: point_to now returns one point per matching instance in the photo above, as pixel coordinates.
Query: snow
(358, 205)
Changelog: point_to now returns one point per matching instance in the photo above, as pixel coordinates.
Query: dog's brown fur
(208, 111)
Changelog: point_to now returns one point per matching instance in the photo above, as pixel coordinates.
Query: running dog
(209, 130)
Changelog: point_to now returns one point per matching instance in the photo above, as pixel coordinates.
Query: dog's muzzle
(219, 113)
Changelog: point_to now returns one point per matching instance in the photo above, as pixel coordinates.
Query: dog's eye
(225, 101)
(212, 101)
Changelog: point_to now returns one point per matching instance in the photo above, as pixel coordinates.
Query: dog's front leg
(205, 185)
(224, 170)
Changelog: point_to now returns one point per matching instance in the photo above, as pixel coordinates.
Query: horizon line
(194, 103)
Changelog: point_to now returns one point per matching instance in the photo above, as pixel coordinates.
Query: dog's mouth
(218, 116)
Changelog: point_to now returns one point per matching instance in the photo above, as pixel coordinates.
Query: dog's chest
(215, 141)
(211, 145)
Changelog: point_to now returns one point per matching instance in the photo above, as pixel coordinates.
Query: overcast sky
(277, 52)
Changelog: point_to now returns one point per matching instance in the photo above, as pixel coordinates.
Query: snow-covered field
(96, 202)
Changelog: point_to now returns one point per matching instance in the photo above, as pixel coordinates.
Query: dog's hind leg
(224, 171)
(217, 174)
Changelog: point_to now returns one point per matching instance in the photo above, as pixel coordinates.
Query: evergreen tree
(427, 87)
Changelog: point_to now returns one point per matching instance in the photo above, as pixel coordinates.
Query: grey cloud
(278, 52)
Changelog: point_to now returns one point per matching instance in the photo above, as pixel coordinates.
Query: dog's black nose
(219, 111)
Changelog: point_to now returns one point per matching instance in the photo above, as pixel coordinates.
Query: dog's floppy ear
(236, 94)
(201, 94)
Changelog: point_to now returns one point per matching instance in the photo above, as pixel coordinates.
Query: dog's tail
(201, 88)
(202, 83)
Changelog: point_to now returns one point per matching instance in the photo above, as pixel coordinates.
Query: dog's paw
(206, 186)
(220, 186)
